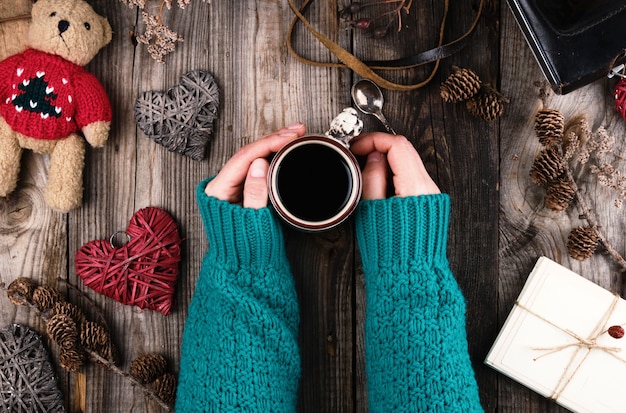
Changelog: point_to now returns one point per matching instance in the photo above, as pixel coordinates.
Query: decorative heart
(28, 379)
(141, 272)
(181, 119)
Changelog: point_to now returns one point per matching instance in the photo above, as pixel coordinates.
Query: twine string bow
(581, 344)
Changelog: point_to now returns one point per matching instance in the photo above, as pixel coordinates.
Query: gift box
(564, 338)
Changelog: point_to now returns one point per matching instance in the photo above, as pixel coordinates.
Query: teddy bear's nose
(63, 26)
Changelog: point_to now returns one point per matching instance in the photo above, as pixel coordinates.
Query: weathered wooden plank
(527, 229)
(33, 241)
(119, 180)
(323, 264)
(32, 235)
(460, 153)
(468, 147)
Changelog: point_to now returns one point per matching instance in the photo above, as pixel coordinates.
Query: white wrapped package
(564, 338)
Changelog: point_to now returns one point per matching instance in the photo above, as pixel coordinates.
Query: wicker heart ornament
(181, 119)
(142, 271)
(29, 383)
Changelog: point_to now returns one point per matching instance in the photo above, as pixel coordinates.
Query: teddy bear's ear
(37, 9)
(107, 32)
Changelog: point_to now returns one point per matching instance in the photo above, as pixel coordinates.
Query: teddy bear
(47, 99)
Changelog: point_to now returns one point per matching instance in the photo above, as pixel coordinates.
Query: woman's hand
(243, 179)
(410, 177)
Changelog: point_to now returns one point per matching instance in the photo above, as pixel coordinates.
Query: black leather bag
(574, 41)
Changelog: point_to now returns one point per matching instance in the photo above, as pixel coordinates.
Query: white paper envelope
(556, 341)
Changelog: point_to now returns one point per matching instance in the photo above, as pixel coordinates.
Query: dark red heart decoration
(141, 272)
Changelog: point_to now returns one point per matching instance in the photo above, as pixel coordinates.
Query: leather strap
(366, 69)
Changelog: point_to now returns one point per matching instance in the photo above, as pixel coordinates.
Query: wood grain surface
(498, 229)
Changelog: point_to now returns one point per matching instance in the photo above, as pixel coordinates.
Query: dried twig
(588, 214)
(19, 296)
(147, 390)
(551, 168)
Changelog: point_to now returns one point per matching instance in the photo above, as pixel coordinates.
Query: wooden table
(498, 229)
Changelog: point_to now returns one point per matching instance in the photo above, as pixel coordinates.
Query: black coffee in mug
(314, 183)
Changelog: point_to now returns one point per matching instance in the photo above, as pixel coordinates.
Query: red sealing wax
(616, 331)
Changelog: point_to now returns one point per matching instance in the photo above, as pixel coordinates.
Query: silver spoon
(369, 99)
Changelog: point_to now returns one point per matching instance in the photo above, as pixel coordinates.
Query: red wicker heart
(143, 271)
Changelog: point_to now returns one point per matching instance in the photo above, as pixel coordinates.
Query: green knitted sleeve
(416, 348)
(240, 348)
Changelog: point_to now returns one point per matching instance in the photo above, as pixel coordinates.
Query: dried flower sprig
(80, 339)
(598, 152)
(372, 24)
(159, 38)
(551, 169)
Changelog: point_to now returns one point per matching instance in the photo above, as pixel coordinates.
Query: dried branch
(115, 369)
(21, 293)
(588, 214)
(551, 168)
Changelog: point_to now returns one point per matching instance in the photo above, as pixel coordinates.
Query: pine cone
(62, 329)
(559, 194)
(71, 359)
(20, 291)
(147, 368)
(71, 310)
(487, 104)
(460, 85)
(93, 335)
(96, 338)
(582, 243)
(45, 298)
(110, 353)
(548, 166)
(165, 387)
(549, 126)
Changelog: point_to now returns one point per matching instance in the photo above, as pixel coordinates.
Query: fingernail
(374, 157)
(295, 125)
(257, 169)
(287, 133)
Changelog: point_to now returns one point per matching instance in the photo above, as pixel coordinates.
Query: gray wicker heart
(181, 119)
(28, 380)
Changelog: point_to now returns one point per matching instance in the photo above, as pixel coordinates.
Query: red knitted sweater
(45, 96)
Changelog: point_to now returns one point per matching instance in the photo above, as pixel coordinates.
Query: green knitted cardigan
(240, 344)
